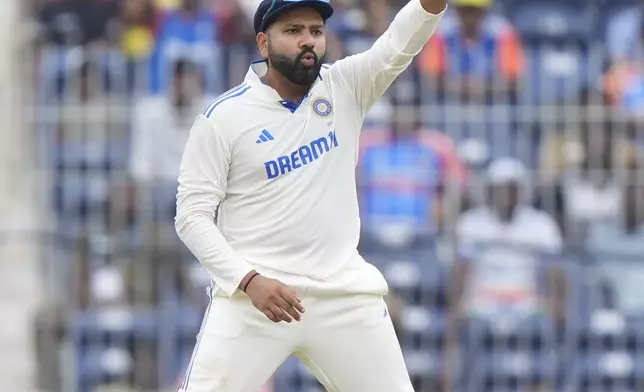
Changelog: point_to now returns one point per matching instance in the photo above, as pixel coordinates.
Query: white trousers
(348, 343)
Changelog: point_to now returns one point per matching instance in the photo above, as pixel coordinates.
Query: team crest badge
(322, 107)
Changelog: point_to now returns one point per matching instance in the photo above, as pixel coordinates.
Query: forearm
(225, 266)
(369, 74)
(409, 31)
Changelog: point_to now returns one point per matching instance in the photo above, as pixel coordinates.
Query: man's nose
(307, 41)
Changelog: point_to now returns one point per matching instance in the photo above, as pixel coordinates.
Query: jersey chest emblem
(322, 107)
(301, 156)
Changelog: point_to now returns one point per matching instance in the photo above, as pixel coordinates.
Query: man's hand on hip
(273, 298)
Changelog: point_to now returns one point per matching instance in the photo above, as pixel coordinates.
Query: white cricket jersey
(279, 178)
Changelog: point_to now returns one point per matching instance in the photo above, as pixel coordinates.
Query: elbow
(191, 211)
(181, 224)
(184, 221)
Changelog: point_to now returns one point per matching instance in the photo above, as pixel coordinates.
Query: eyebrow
(301, 26)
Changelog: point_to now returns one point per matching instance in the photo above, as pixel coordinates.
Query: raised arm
(370, 73)
(202, 186)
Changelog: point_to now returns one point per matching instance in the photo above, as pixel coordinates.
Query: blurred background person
(476, 56)
(507, 277)
(501, 243)
(190, 31)
(160, 128)
(582, 162)
(405, 176)
(138, 20)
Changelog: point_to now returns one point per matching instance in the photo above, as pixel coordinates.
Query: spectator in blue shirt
(190, 32)
(403, 173)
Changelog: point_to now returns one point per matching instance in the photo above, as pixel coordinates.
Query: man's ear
(262, 44)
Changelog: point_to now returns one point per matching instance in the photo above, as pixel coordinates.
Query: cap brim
(324, 9)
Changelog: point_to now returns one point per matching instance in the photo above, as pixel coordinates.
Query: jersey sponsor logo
(322, 107)
(301, 157)
(264, 136)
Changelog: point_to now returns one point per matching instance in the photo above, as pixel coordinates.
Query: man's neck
(284, 87)
(180, 103)
(507, 215)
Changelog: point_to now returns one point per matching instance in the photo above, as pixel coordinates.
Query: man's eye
(317, 33)
(291, 31)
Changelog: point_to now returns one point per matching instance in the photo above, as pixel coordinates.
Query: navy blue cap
(269, 10)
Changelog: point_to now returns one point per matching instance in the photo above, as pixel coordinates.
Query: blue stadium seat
(521, 353)
(501, 368)
(424, 365)
(418, 276)
(614, 370)
(535, 333)
(104, 339)
(94, 327)
(607, 331)
(423, 328)
(102, 364)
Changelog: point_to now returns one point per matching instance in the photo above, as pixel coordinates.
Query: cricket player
(267, 202)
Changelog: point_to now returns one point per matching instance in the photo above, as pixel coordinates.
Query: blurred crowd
(500, 183)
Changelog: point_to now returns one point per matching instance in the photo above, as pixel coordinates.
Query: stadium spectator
(625, 77)
(403, 174)
(624, 82)
(76, 22)
(579, 165)
(138, 23)
(160, 127)
(356, 25)
(475, 56)
(138, 18)
(236, 26)
(501, 245)
(618, 245)
(191, 32)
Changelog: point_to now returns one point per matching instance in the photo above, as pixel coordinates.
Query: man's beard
(293, 69)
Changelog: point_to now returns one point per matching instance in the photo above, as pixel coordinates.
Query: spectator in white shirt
(160, 129)
(501, 245)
